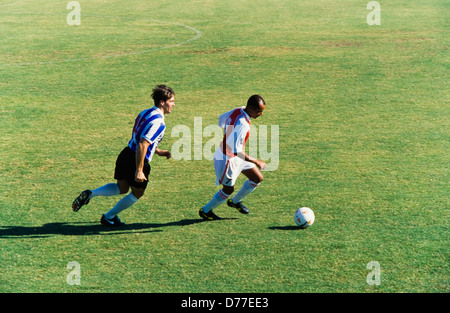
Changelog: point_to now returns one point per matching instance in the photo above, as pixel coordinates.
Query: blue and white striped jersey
(149, 124)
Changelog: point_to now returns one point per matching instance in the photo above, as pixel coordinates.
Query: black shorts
(126, 168)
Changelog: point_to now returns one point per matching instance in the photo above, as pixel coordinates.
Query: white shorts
(228, 169)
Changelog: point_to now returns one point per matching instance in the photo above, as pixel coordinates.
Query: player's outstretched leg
(206, 212)
(255, 178)
(210, 216)
(107, 190)
(238, 206)
(236, 201)
(114, 222)
(81, 200)
(110, 218)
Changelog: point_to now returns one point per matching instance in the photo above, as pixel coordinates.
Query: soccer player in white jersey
(230, 158)
(132, 165)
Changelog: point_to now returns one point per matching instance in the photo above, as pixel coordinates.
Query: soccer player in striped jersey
(132, 165)
(230, 159)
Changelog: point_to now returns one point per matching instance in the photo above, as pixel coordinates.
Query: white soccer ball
(304, 217)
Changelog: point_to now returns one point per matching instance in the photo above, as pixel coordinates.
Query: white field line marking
(197, 35)
(11, 3)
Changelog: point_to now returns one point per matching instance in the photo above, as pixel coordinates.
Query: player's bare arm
(140, 157)
(230, 159)
(165, 153)
(260, 164)
(132, 165)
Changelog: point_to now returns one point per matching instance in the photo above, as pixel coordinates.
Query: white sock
(219, 198)
(123, 204)
(245, 190)
(107, 191)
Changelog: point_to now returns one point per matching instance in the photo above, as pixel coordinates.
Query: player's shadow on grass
(285, 227)
(80, 229)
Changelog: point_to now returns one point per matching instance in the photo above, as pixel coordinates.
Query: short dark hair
(254, 101)
(162, 92)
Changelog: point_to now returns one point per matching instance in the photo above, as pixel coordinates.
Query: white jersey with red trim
(236, 126)
(227, 164)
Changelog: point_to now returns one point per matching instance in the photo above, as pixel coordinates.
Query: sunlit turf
(364, 140)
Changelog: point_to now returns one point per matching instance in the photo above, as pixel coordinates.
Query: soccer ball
(304, 217)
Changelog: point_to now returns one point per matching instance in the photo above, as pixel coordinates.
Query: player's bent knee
(254, 184)
(228, 189)
(258, 179)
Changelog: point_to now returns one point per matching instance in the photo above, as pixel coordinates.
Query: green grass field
(363, 113)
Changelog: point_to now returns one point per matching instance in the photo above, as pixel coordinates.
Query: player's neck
(246, 111)
(161, 109)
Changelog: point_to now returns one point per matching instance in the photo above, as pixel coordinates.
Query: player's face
(258, 112)
(168, 105)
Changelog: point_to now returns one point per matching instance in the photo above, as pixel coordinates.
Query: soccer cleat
(238, 206)
(210, 216)
(114, 222)
(81, 200)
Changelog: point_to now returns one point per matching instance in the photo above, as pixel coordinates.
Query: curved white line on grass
(11, 3)
(198, 34)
